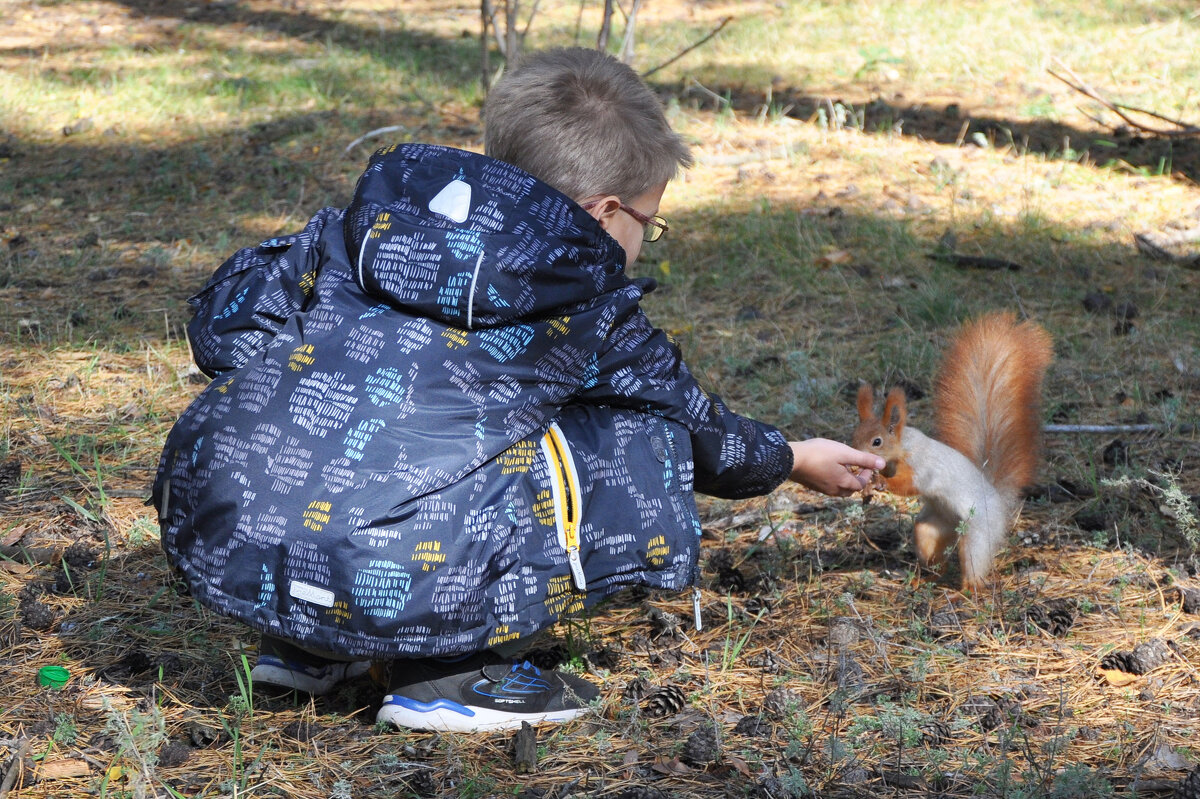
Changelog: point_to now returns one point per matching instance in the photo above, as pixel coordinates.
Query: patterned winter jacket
(439, 420)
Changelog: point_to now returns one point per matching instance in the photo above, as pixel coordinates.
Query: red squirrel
(987, 402)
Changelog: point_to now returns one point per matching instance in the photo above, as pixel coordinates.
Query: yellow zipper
(564, 485)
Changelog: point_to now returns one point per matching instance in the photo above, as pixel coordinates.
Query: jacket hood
(471, 241)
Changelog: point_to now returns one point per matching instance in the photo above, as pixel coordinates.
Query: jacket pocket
(564, 489)
(252, 295)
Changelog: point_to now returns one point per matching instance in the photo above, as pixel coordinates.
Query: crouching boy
(439, 419)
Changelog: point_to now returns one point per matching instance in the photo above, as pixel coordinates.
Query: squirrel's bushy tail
(988, 397)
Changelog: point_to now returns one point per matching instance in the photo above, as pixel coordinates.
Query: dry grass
(797, 264)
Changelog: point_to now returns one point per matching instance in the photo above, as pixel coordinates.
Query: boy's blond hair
(584, 123)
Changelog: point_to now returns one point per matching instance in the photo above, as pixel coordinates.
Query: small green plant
(139, 736)
(142, 530)
(1175, 503)
(65, 729)
(733, 648)
(878, 58)
(242, 703)
(579, 640)
(1078, 779)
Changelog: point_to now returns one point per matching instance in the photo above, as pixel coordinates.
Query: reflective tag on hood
(453, 201)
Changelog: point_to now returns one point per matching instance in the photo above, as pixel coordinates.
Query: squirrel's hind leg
(934, 531)
(977, 553)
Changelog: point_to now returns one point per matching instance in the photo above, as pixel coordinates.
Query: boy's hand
(824, 465)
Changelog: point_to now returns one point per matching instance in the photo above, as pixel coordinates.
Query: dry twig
(1122, 110)
(14, 768)
(689, 48)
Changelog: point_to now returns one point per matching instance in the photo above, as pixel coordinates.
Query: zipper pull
(696, 609)
(576, 568)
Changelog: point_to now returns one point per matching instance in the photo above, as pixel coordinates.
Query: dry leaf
(14, 537)
(672, 767)
(739, 764)
(835, 257)
(628, 762)
(1117, 678)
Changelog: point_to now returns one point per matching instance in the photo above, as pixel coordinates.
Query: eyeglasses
(653, 227)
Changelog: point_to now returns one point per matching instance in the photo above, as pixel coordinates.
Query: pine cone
(663, 624)
(720, 559)
(10, 475)
(701, 747)
(548, 658)
(1006, 711)
(606, 657)
(782, 703)
(79, 556)
(636, 689)
(1056, 616)
(37, 615)
(1189, 786)
(666, 701)
(421, 782)
(173, 754)
(302, 731)
(1152, 654)
(768, 661)
(843, 631)
(771, 787)
(1189, 598)
(1144, 658)
(946, 623)
(936, 732)
(753, 725)
(730, 580)
(640, 792)
(755, 605)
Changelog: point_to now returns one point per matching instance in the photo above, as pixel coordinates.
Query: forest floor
(815, 243)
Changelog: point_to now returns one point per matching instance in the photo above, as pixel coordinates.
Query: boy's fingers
(864, 460)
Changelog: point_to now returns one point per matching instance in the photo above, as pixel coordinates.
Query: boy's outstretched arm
(822, 465)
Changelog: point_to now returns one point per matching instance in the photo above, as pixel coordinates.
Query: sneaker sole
(452, 717)
(282, 677)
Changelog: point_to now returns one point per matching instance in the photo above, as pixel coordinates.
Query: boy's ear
(895, 413)
(866, 402)
(604, 209)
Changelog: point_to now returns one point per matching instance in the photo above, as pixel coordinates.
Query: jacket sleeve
(250, 297)
(643, 369)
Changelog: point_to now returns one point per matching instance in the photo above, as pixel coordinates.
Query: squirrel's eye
(877, 442)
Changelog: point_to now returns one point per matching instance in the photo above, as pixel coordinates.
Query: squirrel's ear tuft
(895, 412)
(866, 402)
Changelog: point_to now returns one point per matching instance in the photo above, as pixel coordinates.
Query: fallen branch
(689, 48)
(372, 134)
(14, 768)
(1103, 428)
(1120, 109)
(33, 556)
(1158, 246)
(974, 261)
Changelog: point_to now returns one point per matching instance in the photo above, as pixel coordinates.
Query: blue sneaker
(480, 692)
(286, 666)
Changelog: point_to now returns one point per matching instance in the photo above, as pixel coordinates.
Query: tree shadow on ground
(145, 224)
(388, 45)
(947, 123)
(140, 631)
(454, 60)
